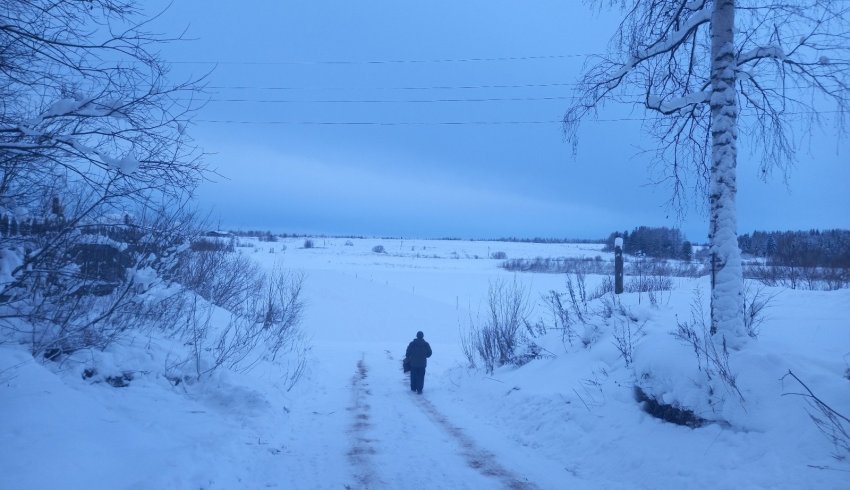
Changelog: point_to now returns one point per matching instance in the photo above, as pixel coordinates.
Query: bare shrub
(468, 340)
(652, 284)
(572, 314)
(213, 244)
(282, 309)
(497, 338)
(263, 326)
(499, 255)
(214, 346)
(224, 279)
(577, 292)
(530, 351)
(558, 265)
(379, 249)
(756, 301)
(605, 287)
(712, 359)
(811, 278)
(626, 330)
(308, 243)
(561, 317)
(639, 266)
(656, 285)
(651, 277)
(831, 423)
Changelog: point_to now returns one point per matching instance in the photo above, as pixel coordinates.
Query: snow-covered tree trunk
(727, 303)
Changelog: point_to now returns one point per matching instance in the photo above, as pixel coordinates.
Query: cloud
(317, 193)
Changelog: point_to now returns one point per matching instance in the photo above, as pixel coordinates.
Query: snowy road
(398, 436)
(361, 321)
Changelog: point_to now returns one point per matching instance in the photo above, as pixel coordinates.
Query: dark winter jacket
(418, 352)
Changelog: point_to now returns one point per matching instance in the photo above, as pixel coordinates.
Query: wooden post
(618, 265)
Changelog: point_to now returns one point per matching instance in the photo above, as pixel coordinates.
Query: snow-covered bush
(84, 286)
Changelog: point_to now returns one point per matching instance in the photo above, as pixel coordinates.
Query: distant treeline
(657, 242)
(11, 226)
(812, 248)
(543, 240)
(120, 231)
(268, 236)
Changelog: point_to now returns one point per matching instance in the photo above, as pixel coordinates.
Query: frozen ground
(568, 421)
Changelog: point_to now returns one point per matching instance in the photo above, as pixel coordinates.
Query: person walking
(418, 352)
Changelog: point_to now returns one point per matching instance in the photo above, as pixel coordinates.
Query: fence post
(618, 265)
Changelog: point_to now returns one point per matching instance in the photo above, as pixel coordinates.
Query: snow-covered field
(567, 421)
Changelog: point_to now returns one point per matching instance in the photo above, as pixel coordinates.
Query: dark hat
(419, 334)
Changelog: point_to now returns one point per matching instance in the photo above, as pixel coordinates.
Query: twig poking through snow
(835, 426)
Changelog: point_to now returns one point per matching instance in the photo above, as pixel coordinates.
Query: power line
(440, 87)
(376, 123)
(384, 62)
(448, 123)
(388, 101)
(423, 87)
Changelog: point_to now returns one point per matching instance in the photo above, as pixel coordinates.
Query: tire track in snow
(476, 457)
(362, 448)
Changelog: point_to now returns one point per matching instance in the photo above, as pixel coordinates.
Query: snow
(82, 106)
(10, 259)
(126, 164)
(85, 107)
(773, 52)
(64, 107)
(677, 103)
(566, 421)
(144, 277)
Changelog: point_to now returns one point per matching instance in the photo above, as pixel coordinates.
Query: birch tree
(709, 70)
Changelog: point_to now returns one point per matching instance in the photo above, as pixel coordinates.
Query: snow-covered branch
(673, 105)
(665, 45)
(770, 52)
(657, 34)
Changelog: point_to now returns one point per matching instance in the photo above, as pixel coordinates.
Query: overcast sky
(462, 101)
